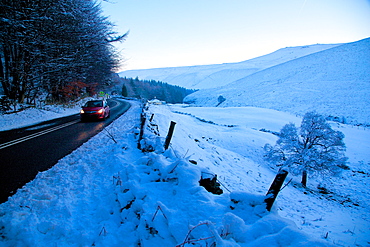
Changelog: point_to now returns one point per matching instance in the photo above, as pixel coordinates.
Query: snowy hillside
(211, 76)
(109, 193)
(335, 82)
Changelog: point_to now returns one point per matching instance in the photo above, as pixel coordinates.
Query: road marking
(118, 104)
(22, 139)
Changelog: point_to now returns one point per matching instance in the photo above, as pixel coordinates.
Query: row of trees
(51, 46)
(150, 89)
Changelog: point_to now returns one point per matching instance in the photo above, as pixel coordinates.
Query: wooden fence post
(275, 188)
(169, 135)
(151, 118)
(142, 124)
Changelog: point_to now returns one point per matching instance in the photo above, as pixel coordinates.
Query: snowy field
(112, 194)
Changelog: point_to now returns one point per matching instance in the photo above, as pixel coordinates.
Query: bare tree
(314, 148)
(44, 45)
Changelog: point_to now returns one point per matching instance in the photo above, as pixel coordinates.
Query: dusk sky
(172, 33)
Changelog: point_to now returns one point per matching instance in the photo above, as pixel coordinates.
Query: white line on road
(22, 139)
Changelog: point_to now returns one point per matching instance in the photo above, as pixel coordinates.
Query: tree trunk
(5, 71)
(304, 178)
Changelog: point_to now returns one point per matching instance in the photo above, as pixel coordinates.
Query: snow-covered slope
(210, 76)
(335, 82)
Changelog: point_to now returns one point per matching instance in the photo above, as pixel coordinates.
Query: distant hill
(211, 76)
(334, 82)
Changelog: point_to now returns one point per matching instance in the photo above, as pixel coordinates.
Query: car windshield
(94, 104)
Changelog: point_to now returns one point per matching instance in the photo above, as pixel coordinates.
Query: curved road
(26, 151)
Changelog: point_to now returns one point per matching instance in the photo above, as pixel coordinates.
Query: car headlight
(101, 111)
(82, 112)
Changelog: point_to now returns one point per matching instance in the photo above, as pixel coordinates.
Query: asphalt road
(26, 151)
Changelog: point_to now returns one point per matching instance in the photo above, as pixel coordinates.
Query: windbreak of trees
(53, 46)
(150, 89)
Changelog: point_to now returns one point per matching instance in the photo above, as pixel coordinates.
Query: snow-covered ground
(112, 194)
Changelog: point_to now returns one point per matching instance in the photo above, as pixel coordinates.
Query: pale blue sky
(171, 33)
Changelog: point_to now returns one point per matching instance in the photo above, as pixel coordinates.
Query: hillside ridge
(335, 82)
(216, 75)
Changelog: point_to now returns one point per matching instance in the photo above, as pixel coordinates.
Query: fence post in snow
(142, 119)
(275, 188)
(151, 118)
(169, 135)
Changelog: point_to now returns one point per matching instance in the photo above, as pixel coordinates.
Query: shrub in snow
(313, 148)
(220, 100)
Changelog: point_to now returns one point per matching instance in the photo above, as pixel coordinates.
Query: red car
(95, 109)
